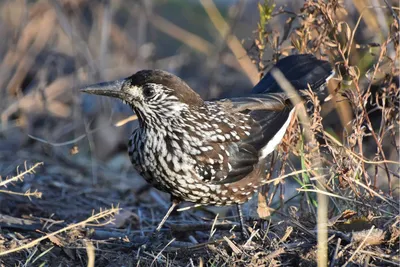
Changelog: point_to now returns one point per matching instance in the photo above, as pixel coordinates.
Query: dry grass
(345, 152)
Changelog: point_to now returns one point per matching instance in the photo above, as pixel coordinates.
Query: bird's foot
(154, 241)
(245, 235)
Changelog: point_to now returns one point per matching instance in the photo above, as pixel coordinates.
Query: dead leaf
(123, 219)
(262, 209)
(56, 240)
(346, 215)
(376, 237)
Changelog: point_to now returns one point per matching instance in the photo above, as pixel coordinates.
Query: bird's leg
(245, 235)
(174, 203)
(154, 239)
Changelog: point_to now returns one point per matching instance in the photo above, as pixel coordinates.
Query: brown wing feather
(255, 121)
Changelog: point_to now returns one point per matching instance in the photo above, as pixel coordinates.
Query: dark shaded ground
(69, 197)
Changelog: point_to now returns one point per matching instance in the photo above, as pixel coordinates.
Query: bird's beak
(112, 89)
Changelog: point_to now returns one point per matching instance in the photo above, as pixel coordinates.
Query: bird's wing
(251, 124)
(300, 71)
(256, 124)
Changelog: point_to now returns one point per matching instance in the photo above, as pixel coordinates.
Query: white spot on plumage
(204, 148)
(192, 186)
(205, 188)
(189, 180)
(221, 138)
(214, 138)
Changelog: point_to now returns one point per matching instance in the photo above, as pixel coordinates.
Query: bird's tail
(301, 71)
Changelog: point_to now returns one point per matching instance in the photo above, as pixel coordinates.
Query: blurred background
(52, 47)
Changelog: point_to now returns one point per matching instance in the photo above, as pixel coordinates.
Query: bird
(210, 152)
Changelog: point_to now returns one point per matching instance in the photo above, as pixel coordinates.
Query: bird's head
(152, 94)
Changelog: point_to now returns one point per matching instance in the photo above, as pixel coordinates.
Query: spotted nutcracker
(209, 152)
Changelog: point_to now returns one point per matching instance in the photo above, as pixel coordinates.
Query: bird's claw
(154, 240)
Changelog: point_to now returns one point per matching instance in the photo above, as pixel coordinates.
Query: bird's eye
(148, 91)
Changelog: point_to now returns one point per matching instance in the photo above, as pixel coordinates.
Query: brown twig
(94, 218)
(21, 175)
(233, 43)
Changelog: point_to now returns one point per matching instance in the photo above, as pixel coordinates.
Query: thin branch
(21, 175)
(96, 217)
(28, 193)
